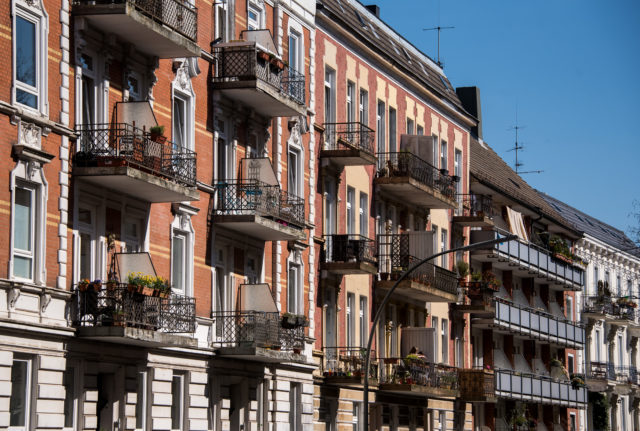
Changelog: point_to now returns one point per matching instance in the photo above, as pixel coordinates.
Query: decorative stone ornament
(29, 135)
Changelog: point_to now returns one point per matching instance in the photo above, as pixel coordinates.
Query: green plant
(157, 130)
(463, 268)
(555, 362)
(601, 406)
(490, 278)
(476, 276)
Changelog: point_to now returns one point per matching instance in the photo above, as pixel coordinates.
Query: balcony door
(330, 209)
(330, 318)
(87, 243)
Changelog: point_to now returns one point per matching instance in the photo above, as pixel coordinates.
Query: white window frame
(221, 19)
(351, 103)
(393, 130)
(30, 253)
(444, 341)
(330, 95)
(380, 116)
(134, 96)
(351, 319)
(142, 379)
(296, 46)
(436, 341)
(444, 155)
(75, 390)
(31, 175)
(222, 134)
(363, 320)
(295, 303)
(35, 13)
(87, 229)
(351, 210)
(27, 395)
(363, 113)
(258, 8)
(182, 89)
(181, 377)
(295, 171)
(444, 245)
(183, 228)
(364, 214)
(295, 404)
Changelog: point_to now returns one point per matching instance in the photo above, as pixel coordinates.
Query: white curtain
(516, 224)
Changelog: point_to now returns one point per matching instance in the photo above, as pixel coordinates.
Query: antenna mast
(517, 147)
(439, 29)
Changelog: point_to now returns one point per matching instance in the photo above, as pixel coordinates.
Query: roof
(594, 227)
(489, 169)
(356, 18)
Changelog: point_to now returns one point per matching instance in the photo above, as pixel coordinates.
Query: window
(179, 122)
(393, 143)
(294, 289)
(629, 289)
(420, 130)
(295, 407)
(141, 401)
(351, 103)
(444, 245)
(69, 409)
(296, 56)
(89, 94)
(380, 127)
(393, 317)
(443, 420)
(364, 107)
(457, 170)
(434, 230)
(177, 401)
(598, 339)
(255, 16)
(329, 95)
(295, 172)
(220, 31)
(178, 261)
(410, 125)
(223, 152)
(330, 317)
(572, 422)
(134, 87)
(364, 214)
(19, 403)
(570, 363)
(29, 55)
(351, 211)
(443, 155)
(434, 325)
(621, 350)
(364, 323)
(623, 414)
(444, 333)
(569, 310)
(436, 150)
(355, 417)
(595, 280)
(330, 206)
(351, 321)
(24, 211)
(618, 286)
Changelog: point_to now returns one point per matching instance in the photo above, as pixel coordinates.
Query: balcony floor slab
(260, 354)
(418, 291)
(345, 268)
(262, 97)
(135, 336)
(349, 157)
(260, 227)
(412, 191)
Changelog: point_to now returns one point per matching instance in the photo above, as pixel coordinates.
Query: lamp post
(378, 315)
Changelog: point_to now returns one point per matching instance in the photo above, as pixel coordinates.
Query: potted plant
(492, 281)
(289, 320)
(301, 320)
(577, 381)
(157, 134)
(83, 284)
(463, 269)
(112, 284)
(262, 55)
(97, 285)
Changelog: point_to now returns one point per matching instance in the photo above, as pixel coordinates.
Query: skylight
(362, 23)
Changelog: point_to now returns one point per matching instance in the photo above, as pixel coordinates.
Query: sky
(571, 71)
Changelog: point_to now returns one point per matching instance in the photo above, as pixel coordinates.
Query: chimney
(470, 98)
(374, 9)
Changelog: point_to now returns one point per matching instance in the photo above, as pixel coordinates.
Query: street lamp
(378, 315)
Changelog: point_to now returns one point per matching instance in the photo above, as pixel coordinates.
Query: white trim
(295, 260)
(181, 226)
(27, 395)
(182, 88)
(296, 28)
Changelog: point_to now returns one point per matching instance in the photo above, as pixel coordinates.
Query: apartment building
(392, 141)
(157, 156)
(608, 308)
(523, 299)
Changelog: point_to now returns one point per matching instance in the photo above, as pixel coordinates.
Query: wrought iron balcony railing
(349, 248)
(412, 371)
(242, 63)
(609, 371)
(540, 325)
(347, 363)
(120, 307)
(255, 329)
(394, 258)
(609, 307)
(252, 197)
(541, 389)
(178, 15)
(120, 143)
(406, 164)
(347, 136)
(474, 205)
(533, 256)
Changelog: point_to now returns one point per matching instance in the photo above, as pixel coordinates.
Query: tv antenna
(519, 147)
(439, 29)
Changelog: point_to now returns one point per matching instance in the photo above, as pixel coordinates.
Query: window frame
(33, 210)
(295, 172)
(351, 103)
(295, 296)
(329, 95)
(28, 392)
(259, 22)
(363, 108)
(444, 155)
(393, 130)
(351, 321)
(380, 124)
(363, 212)
(181, 227)
(351, 210)
(410, 126)
(297, 62)
(181, 377)
(363, 320)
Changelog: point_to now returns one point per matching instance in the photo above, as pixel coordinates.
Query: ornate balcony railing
(120, 143)
(406, 164)
(407, 371)
(608, 371)
(347, 136)
(178, 15)
(255, 329)
(532, 256)
(120, 307)
(541, 389)
(394, 258)
(474, 205)
(252, 197)
(537, 323)
(347, 363)
(476, 384)
(242, 63)
(349, 248)
(608, 307)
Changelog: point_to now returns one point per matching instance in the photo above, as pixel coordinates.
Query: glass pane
(26, 98)
(84, 215)
(26, 51)
(178, 122)
(177, 256)
(140, 400)
(22, 267)
(88, 100)
(22, 219)
(19, 393)
(176, 403)
(68, 381)
(85, 255)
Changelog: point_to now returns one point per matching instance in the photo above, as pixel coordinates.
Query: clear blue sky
(572, 68)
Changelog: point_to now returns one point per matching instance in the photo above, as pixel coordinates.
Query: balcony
(509, 317)
(118, 315)
(250, 72)
(475, 211)
(413, 376)
(412, 180)
(124, 158)
(344, 366)
(349, 254)
(160, 28)
(539, 389)
(611, 310)
(528, 259)
(428, 283)
(259, 210)
(602, 376)
(257, 336)
(477, 385)
(348, 144)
